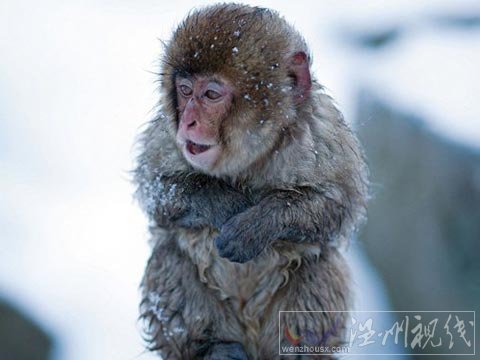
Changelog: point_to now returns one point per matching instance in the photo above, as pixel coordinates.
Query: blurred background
(76, 85)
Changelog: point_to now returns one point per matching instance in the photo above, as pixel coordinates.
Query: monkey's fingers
(239, 240)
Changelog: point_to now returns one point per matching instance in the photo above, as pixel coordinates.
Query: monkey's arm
(299, 215)
(193, 200)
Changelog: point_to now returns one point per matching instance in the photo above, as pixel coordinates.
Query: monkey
(252, 182)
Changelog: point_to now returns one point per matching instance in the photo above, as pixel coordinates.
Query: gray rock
(423, 230)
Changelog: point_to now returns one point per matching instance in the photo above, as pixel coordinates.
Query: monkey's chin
(203, 160)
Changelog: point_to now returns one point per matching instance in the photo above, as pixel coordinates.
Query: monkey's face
(233, 79)
(203, 104)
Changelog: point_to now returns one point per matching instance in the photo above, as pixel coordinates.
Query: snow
(74, 91)
(75, 88)
(156, 302)
(436, 75)
(155, 192)
(443, 88)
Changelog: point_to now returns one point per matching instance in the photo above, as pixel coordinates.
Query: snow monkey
(252, 181)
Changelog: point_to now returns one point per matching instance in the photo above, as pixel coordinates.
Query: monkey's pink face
(203, 103)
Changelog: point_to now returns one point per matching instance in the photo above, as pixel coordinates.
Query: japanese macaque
(252, 181)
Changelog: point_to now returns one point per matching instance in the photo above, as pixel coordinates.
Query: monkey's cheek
(205, 160)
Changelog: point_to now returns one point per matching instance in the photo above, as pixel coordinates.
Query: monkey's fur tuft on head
(251, 180)
(202, 44)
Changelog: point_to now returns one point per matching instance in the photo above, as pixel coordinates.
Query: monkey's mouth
(196, 149)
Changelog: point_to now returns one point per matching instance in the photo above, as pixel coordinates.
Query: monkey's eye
(212, 95)
(186, 90)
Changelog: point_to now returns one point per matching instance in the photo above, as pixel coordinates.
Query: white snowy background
(76, 85)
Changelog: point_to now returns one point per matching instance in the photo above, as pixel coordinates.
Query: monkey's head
(233, 77)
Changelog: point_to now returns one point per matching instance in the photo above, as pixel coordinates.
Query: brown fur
(291, 188)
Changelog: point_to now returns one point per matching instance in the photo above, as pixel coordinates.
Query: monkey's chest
(249, 285)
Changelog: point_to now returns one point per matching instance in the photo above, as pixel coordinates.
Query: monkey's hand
(196, 201)
(297, 215)
(244, 236)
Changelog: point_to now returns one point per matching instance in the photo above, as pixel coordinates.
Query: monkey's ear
(299, 70)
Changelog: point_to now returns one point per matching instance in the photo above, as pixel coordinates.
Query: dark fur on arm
(305, 214)
(194, 200)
